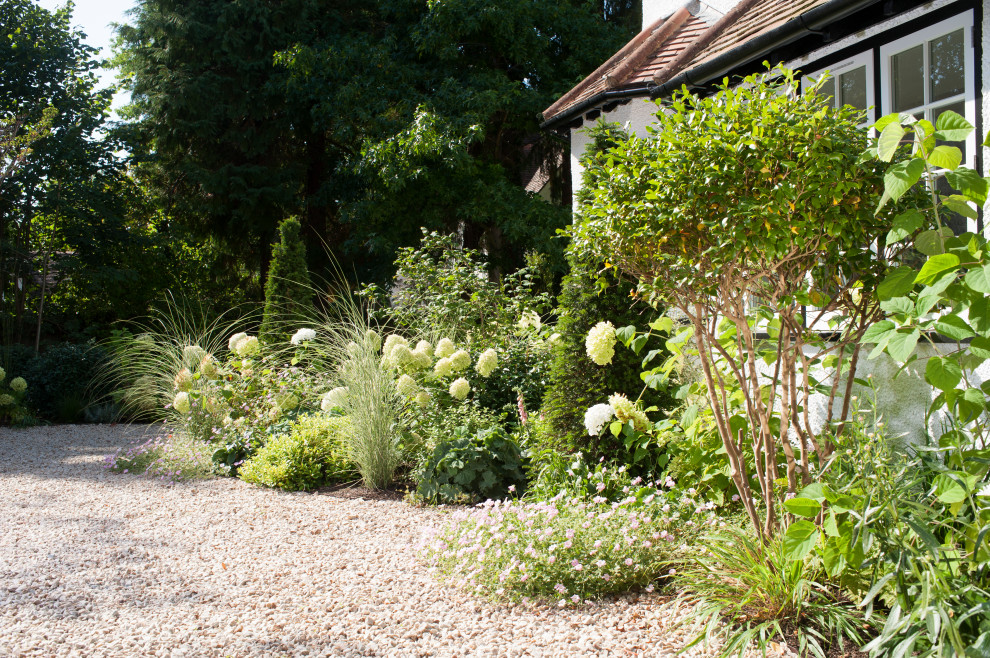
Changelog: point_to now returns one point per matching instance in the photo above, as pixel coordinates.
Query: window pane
(907, 78)
(947, 62)
(852, 88)
(827, 90)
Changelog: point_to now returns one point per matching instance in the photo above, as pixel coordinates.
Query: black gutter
(809, 23)
(601, 97)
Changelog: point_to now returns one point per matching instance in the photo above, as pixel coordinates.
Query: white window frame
(861, 59)
(962, 21)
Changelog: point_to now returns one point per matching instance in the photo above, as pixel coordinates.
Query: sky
(93, 18)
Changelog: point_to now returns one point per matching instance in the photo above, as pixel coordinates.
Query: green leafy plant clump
(312, 453)
(488, 465)
(567, 550)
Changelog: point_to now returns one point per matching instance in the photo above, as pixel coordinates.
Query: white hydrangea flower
(247, 346)
(392, 340)
(597, 417)
(302, 336)
(530, 319)
(626, 410)
(407, 385)
(192, 355)
(487, 362)
(6, 400)
(18, 385)
(400, 355)
(183, 380)
(460, 388)
(208, 367)
(236, 338)
(444, 367)
(421, 359)
(373, 340)
(985, 491)
(181, 402)
(3, 374)
(352, 348)
(444, 348)
(423, 398)
(600, 343)
(334, 398)
(461, 360)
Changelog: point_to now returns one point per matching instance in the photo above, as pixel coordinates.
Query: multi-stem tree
(751, 213)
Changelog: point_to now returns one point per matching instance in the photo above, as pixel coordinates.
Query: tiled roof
(764, 16)
(660, 49)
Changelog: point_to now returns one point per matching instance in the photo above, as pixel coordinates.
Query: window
(932, 71)
(850, 82)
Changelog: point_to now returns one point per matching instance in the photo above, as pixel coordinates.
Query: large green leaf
(878, 331)
(805, 507)
(980, 346)
(890, 139)
(952, 127)
(904, 225)
(834, 555)
(902, 176)
(954, 327)
(942, 373)
(935, 266)
(951, 487)
(902, 343)
(897, 283)
(969, 183)
(800, 539)
(978, 279)
(929, 243)
(946, 157)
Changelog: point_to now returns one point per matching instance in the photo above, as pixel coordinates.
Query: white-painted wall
(636, 115)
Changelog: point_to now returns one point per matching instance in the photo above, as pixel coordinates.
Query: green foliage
(288, 293)
(369, 120)
(765, 595)
(169, 457)
(566, 549)
(311, 453)
(575, 382)
(754, 193)
(486, 466)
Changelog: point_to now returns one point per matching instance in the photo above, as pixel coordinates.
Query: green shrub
(288, 293)
(568, 549)
(486, 466)
(311, 454)
(575, 382)
(60, 378)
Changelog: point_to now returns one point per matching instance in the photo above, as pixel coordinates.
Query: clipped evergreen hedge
(288, 293)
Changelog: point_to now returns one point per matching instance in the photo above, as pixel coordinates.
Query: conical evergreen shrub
(288, 293)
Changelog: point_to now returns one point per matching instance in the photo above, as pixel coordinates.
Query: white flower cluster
(444, 348)
(181, 402)
(208, 367)
(183, 380)
(461, 360)
(192, 355)
(444, 367)
(243, 345)
(626, 410)
(373, 340)
(407, 386)
(600, 343)
(487, 363)
(334, 398)
(302, 336)
(18, 385)
(460, 388)
(597, 417)
(6, 400)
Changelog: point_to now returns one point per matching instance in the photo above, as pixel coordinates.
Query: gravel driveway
(94, 563)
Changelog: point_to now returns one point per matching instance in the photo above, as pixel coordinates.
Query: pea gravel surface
(94, 563)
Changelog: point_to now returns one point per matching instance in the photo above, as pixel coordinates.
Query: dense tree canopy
(368, 120)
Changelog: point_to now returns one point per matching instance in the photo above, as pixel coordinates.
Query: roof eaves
(807, 23)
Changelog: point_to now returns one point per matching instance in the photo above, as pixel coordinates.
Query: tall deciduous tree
(368, 120)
